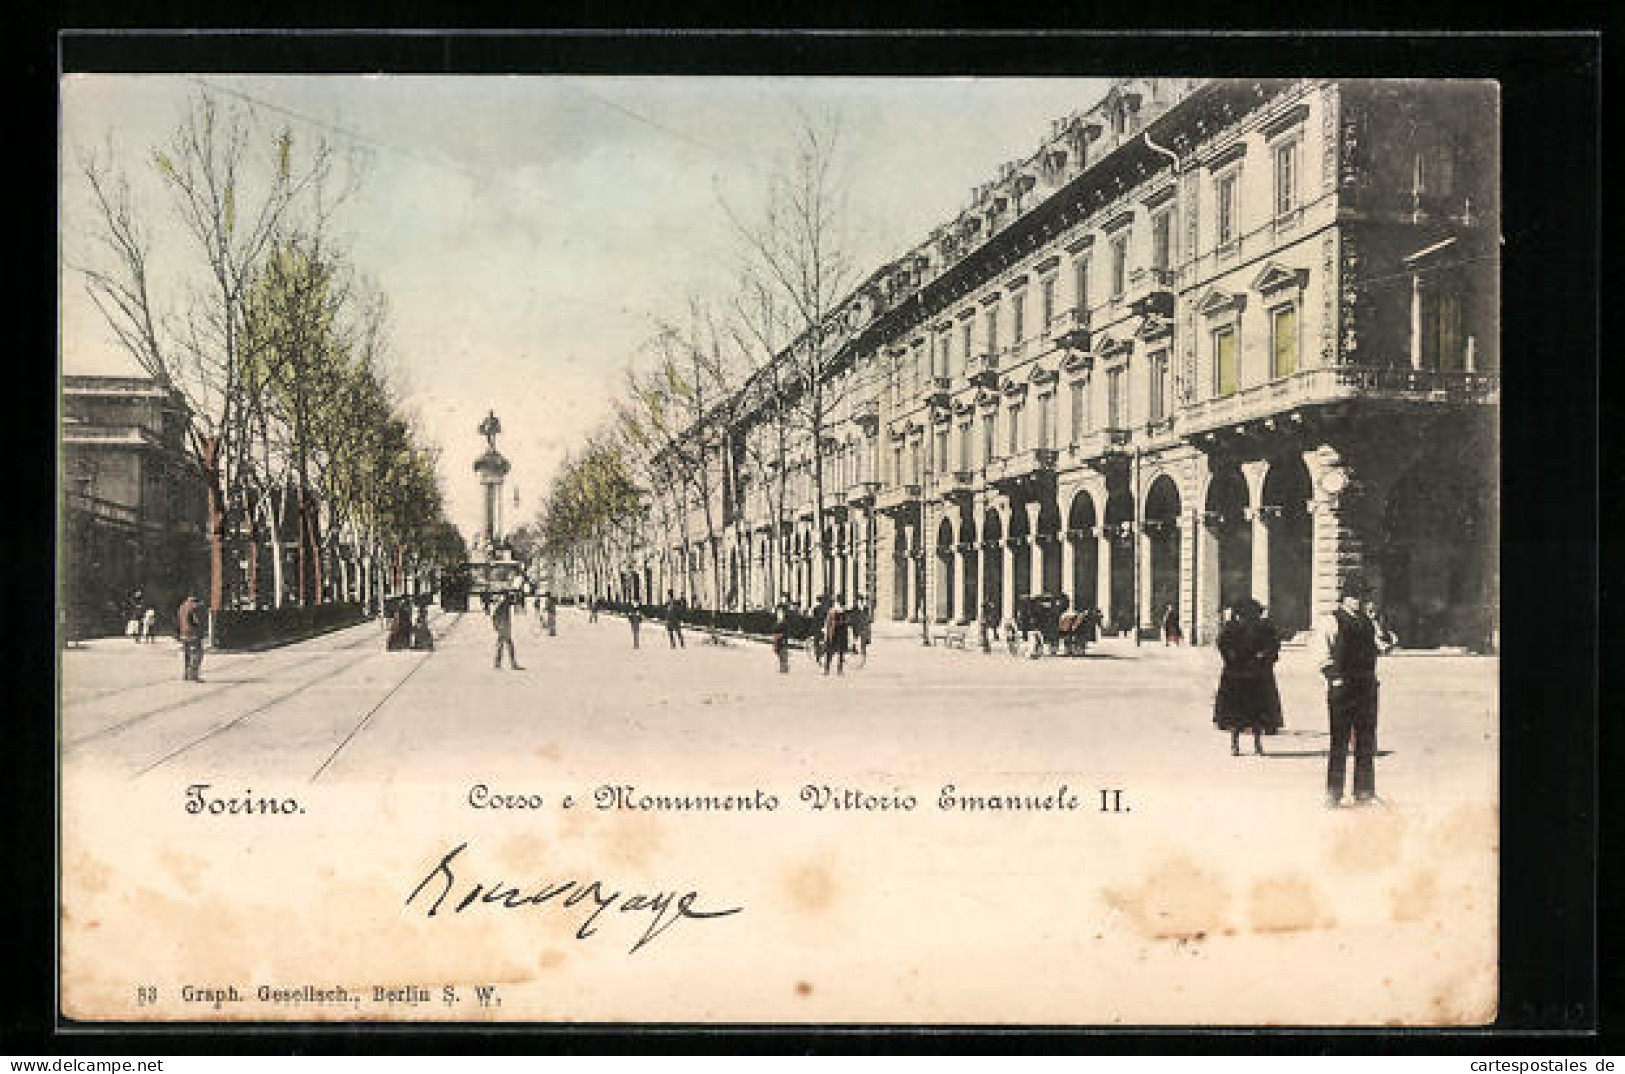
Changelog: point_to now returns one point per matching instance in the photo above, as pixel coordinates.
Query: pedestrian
(782, 622)
(132, 627)
(422, 636)
(552, 606)
(1348, 647)
(189, 627)
(985, 626)
(400, 628)
(592, 609)
(635, 618)
(1248, 699)
(149, 626)
(674, 621)
(502, 623)
(820, 623)
(836, 635)
(860, 629)
(1171, 634)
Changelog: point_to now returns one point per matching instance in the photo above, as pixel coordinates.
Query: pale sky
(530, 232)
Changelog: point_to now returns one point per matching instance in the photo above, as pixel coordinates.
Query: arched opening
(1436, 573)
(1049, 545)
(1232, 535)
(993, 551)
(1162, 539)
(1081, 525)
(945, 571)
(969, 569)
(1119, 609)
(1285, 510)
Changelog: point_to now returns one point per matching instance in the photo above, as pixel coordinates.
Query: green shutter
(1224, 347)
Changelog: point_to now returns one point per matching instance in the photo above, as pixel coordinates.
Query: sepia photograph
(730, 549)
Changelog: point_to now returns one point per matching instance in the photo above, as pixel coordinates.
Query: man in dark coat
(782, 627)
(1348, 645)
(189, 625)
(502, 623)
(400, 628)
(836, 631)
(674, 621)
(1248, 699)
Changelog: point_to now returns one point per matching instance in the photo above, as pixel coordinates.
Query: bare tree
(231, 188)
(799, 274)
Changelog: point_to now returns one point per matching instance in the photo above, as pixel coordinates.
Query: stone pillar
(1190, 534)
(1263, 519)
(1007, 598)
(909, 591)
(1343, 511)
(1104, 546)
(1142, 575)
(1035, 557)
(1069, 566)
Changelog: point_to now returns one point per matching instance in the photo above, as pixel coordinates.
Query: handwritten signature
(666, 907)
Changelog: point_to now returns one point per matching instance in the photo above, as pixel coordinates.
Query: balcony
(938, 391)
(1104, 443)
(958, 485)
(894, 498)
(1071, 329)
(1318, 387)
(861, 493)
(1033, 466)
(984, 370)
(1150, 291)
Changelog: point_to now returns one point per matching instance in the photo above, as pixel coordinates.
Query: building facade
(1212, 340)
(133, 509)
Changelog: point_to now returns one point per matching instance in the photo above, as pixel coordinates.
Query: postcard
(719, 550)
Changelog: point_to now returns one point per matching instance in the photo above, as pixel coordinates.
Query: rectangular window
(1046, 421)
(914, 454)
(1018, 316)
(1119, 265)
(1159, 386)
(992, 329)
(1047, 300)
(964, 446)
(1116, 411)
(964, 334)
(1224, 361)
(1225, 209)
(897, 464)
(1080, 283)
(1161, 233)
(988, 443)
(919, 366)
(945, 347)
(1079, 416)
(940, 463)
(1441, 331)
(1284, 341)
(1286, 177)
(1014, 428)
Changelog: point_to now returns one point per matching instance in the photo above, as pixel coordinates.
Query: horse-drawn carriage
(1062, 632)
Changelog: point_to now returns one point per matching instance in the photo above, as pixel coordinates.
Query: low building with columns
(1211, 340)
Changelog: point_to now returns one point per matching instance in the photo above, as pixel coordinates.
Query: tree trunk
(217, 523)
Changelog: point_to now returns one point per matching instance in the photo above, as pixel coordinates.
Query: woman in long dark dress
(1248, 699)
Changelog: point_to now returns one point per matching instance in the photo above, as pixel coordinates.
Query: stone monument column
(492, 469)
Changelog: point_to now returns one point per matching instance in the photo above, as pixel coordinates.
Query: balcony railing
(1313, 386)
(958, 484)
(1028, 465)
(1072, 329)
(892, 497)
(861, 493)
(104, 509)
(938, 390)
(984, 370)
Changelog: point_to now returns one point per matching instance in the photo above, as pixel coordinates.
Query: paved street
(1218, 870)
(340, 708)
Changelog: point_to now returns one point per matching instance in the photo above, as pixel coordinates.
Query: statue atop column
(490, 428)
(492, 468)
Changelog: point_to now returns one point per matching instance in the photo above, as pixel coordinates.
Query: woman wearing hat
(1248, 699)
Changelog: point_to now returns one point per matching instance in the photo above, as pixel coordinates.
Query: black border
(1551, 99)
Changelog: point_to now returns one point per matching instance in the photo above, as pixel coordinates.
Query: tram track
(192, 698)
(287, 695)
